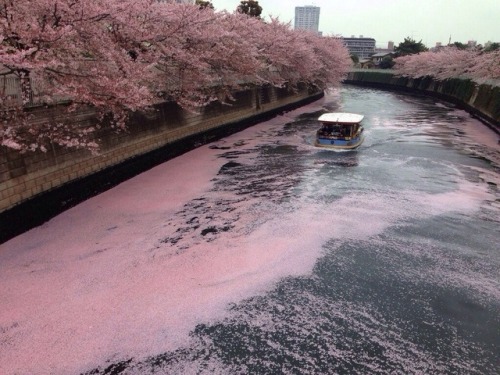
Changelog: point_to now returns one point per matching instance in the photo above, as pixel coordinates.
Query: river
(261, 254)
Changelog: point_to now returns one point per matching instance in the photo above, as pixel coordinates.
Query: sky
(430, 21)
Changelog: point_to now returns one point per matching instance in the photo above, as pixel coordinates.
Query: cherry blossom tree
(80, 50)
(451, 62)
(486, 66)
(201, 55)
(121, 56)
(289, 57)
(333, 60)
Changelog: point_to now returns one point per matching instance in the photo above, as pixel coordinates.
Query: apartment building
(307, 18)
(361, 47)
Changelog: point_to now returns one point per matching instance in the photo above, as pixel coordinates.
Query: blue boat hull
(341, 144)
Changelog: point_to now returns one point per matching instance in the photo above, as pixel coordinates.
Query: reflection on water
(409, 277)
(375, 261)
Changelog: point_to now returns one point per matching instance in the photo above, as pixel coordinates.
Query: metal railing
(13, 94)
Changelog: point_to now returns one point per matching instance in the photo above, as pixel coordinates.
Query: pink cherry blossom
(119, 56)
(451, 62)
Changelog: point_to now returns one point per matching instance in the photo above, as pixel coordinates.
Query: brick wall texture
(26, 175)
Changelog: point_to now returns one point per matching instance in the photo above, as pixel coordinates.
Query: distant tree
(202, 4)
(459, 45)
(250, 8)
(409, 47)
(354, 58)
(492, 47)
(386, 63)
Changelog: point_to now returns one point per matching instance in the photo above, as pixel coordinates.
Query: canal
(261, 254)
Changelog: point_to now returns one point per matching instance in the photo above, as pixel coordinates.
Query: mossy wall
(481, 100)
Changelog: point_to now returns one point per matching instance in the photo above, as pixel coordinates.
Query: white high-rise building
(307, 18)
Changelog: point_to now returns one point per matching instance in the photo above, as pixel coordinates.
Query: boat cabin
(340, 130)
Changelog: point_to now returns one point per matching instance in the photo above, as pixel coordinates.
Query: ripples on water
(408, 278)
(381, 260)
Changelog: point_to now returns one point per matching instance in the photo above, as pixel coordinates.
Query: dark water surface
(407, 279)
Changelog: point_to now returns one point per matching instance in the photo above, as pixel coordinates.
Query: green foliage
(459, 45)
(492, 47)
(250, 7)
(354, 58)
(204, 4)
(386, 63)
(409, 47)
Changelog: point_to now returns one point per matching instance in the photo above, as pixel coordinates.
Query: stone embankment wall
(36, 186)
(483, 101)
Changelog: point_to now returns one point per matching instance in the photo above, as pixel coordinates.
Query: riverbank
(480, 100)
(260, 253)
(35, 187)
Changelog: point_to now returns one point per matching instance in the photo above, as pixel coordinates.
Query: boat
(340, 130)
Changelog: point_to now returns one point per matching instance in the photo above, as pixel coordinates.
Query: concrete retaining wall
(483, 101)
(36, 186)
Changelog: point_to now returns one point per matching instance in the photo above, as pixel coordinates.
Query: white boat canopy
(341, 118)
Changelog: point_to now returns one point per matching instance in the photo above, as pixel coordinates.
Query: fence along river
(260, 253)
